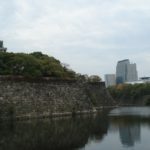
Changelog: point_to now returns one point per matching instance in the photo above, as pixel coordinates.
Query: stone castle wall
(24, 98)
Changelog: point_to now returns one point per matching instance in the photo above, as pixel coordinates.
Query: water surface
(126, 128)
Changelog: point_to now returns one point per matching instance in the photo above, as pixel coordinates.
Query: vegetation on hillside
(33, 65)
(37, 64)
(131, 93)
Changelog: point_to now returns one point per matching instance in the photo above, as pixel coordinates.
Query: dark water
(117, 129)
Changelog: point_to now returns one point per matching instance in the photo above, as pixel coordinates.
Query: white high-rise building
(132, 73)
(110, 80)
(126, 72)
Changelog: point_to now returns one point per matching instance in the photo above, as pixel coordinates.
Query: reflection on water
(131, 111)
(129, 130)
(99, 132)
(129, 134)
(62, 134)
(130, 121)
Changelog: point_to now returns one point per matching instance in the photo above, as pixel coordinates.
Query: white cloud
(90, 35)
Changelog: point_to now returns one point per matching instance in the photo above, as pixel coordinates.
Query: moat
(125, 128)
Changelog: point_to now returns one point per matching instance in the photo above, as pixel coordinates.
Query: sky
(89, 35)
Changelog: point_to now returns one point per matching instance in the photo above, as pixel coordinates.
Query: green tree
(94, 78)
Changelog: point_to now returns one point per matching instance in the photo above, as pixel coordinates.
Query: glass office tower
(126, 72)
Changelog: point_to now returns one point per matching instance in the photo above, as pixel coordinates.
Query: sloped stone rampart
(29, 99)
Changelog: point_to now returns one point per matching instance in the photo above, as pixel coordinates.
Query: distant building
(2, 49)
(110, 80)
(132, 73)
(145, 79)
(126, 72)
(140, 81)
(121, 71)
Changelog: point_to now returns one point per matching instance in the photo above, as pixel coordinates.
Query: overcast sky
(89, 35)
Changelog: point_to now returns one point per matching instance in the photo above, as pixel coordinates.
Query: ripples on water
(118, 129)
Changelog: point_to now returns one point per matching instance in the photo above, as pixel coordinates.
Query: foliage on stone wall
(33, 65)
(37, 65)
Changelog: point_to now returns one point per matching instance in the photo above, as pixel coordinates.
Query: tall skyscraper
(132, 73)
(110, 80)
(126, 72)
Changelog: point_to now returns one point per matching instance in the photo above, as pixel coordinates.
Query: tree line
(131, 93)
(37, 64)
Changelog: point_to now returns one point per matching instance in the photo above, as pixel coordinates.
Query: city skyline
(126, 71)
(90, 36)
